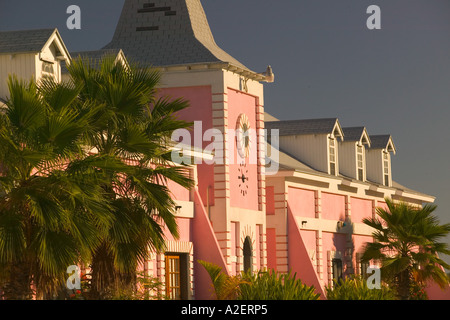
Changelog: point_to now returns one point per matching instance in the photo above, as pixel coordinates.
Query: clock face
(243, 178)
(243, 136)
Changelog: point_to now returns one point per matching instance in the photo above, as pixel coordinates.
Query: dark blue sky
(327, 63)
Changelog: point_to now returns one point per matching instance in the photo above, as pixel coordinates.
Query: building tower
(225, 96)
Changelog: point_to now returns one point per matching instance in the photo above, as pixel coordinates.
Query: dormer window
(313, 142)
(360, 162)
(47, 67)
(352, 153)
(47, 70)
(378, 156)
(386, 168)
(332, 155)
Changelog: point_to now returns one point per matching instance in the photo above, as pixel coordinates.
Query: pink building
(295, 203)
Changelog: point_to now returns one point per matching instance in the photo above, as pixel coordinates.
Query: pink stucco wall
(309, 239)
(271, 245)
(332, 242)
(234, 244)
(382, 204)
(200, 101)
(238, 103)
(333, 206)
(299, 260)
(178, 192)
(206, 248)
(302, 202)
(184, 230)
(270, 200)
(435, 292)
(257, 250)
(359, 242)
(360, 209)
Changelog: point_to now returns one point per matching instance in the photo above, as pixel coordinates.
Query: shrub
(263, 285)
(271, 285)
(355, 288)
(225, 287)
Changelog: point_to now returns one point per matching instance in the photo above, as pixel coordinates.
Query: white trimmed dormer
(31, 54)
(314, 142)
(378, 159)
(352, 153)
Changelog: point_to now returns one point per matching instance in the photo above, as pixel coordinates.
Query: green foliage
(131, 130)
(417, 292)
(225, 287)
(83, 177)
(408, 245)
(355, 288)
(263, 285)
(271, 285)
(50, 217)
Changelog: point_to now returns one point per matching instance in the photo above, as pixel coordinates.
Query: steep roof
(356, 134)
(167, 32)
(383, 142)
(23, 41)
(306, 126)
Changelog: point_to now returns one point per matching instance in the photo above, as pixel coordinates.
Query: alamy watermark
(74, 280)
(74, 20)
(218, 147)
(374, 21)
(374, 280)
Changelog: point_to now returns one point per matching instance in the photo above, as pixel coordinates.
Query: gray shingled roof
(167, 32)
(299, 127)
(353, 133)
(380, 141)
(24, 40)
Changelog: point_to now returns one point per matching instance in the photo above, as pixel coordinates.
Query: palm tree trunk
(18, 285)
(404, 284)
(104, 279)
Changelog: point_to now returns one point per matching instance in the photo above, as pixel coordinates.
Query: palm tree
(406, 242)
(132, 130)
(51, 216)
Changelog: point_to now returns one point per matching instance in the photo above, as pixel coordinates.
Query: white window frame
(360, 164)
(332, 145)
(386, 169)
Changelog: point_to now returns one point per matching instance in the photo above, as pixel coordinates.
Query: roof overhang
(390, 147)
(262, 77)
(337, 131)
(365, 138)
(62, 53)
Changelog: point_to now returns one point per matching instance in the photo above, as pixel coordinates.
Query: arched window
(247, 254)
